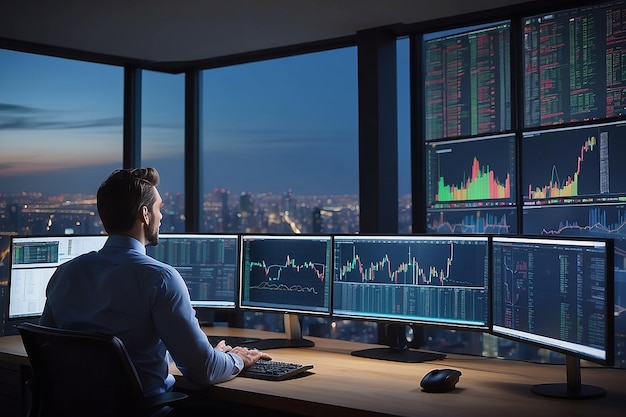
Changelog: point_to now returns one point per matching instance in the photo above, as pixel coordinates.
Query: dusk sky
(290, 123)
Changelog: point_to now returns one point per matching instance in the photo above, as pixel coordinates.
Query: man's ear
(145, 218)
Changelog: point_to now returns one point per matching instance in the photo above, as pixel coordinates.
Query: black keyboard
(232, 340)
(275, 370)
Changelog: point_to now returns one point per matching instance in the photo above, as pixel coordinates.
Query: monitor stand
(293, 336)
(398, 350)
(572, 388)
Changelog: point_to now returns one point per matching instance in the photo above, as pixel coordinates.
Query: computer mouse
(440, 380)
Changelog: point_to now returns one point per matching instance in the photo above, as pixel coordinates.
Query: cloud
(17, 117)
(16, 108)
(273, 139)
(6, 166)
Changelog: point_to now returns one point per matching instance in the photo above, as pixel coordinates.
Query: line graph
(599, 221)
(489, 221)
(275, 274)
(513, 277)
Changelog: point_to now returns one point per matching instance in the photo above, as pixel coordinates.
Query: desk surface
(341, 384)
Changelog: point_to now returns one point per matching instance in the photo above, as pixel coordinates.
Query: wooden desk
(341, 384)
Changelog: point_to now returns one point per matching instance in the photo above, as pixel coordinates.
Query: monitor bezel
(551, 343)
(308, 311)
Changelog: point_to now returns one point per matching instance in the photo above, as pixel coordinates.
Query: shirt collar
(126, 242)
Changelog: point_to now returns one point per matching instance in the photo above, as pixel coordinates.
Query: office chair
(86, 374)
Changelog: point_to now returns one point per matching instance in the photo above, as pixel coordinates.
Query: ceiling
(161, 31)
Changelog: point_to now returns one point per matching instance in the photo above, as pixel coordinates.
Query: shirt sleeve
(238, 363)
(176, 324)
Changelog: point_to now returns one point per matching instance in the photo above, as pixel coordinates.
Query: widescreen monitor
(573, 64)
(287, 274)
(425, 279)
(33, 261)
(556, 293)
(467, 81)
(209, 264)
(591, 221)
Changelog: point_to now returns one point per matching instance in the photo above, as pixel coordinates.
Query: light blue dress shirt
(122, 291)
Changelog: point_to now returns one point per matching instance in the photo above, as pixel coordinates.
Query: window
(63, 119)
(281, 145)
(163, 141)
(405, 218)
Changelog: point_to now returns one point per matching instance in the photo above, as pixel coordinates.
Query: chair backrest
(81, 374)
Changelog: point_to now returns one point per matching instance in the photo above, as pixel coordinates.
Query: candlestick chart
(412, 278)
(411, 263)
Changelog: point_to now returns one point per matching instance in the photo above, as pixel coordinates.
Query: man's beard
(153, 235)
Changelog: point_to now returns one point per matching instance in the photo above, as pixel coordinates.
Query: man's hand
(222, 346)
(249, 356)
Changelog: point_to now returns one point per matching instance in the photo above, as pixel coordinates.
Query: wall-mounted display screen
(573, 64)
(471, 173)
(574, 165)
(467, 81)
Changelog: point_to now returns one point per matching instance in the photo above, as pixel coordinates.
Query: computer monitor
(574, 165)
(471, 173)
(467, 81)
(424, 279)
(209, 264)
(33, 261)
(288, 274)
(572, 64)
(556, 293)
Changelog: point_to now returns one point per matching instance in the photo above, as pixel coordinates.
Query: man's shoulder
(158, 266)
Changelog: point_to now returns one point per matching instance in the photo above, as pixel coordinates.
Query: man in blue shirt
(120, 290)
